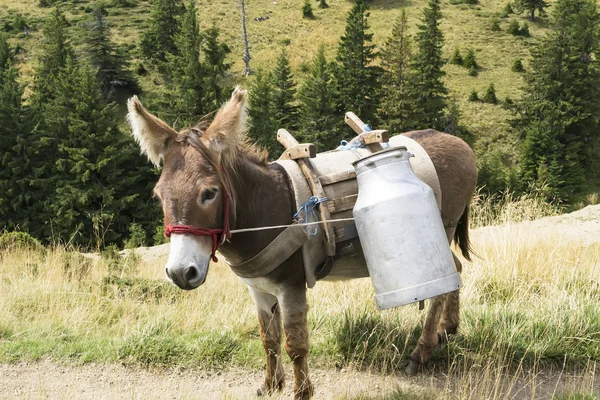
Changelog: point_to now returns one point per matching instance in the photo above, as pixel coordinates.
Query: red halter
(218, 235)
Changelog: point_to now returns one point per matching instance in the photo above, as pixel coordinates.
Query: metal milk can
(401, 231)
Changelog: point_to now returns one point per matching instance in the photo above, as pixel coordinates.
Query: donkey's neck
(263, 198)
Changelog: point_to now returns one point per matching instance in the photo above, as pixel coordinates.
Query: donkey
(213, 179)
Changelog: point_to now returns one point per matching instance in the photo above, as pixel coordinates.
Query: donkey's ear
(152, 133)
(226, 130)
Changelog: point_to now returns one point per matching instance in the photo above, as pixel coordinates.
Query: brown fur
(195, 160)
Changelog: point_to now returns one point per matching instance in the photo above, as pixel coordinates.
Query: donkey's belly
(351, 263)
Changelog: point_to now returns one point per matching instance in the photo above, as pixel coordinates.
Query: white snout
(189, 257)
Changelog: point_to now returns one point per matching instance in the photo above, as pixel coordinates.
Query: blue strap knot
(308, 209)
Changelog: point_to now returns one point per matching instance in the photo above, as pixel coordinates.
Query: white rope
(264, 228)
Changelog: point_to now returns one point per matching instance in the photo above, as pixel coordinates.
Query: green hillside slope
(463, 26)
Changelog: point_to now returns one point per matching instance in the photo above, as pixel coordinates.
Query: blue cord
(309, 208)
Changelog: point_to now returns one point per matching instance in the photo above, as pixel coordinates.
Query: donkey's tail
(461, 235)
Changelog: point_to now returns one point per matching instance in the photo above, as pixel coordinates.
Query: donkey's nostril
(191, 273)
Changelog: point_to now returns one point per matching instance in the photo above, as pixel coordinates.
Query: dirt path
(47, 380)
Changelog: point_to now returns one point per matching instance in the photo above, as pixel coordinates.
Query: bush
(140, 69)
(508, 9)
(490, 95)
(323, 4)
(159, 235)
(474, 96)
(517, 66)
(495, 27)
(307, 11)
(456, 58)
(18, 240)
(137, 237)
(524, 31)
(514, 28)
(473, 71)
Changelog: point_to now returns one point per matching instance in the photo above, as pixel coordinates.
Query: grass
(530, 303)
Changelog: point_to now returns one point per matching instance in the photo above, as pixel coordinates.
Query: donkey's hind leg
(269, 319)
(451, 314)
(295, 309)
(429, 337)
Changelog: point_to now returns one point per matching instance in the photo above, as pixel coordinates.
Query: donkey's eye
(209, 194)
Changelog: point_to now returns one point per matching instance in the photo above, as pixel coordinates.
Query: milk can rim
(396, 148)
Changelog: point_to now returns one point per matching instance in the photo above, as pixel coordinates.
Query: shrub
(473, 71)
(323, 4)
(307, 11)
(137, 237)
(474, 96)
(495, 27)
(517, 66)
(18, 240)
(456, 58)
(514, 28)
(524, 31)
(159, 235)
(140, 69)
(490, 95)
(508, 9)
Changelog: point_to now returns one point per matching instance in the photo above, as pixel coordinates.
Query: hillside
(463, 26)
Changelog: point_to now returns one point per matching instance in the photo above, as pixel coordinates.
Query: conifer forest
(70, 172)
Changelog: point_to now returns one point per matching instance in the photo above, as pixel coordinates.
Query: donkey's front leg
(269, 319)
(295, 310)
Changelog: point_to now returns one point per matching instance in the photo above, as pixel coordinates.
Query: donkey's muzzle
(186, 278)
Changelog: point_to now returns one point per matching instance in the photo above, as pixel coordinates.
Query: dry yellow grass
(529, 314)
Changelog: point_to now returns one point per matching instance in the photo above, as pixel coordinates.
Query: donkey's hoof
(268, 389)
(413, 368)
(305, 392)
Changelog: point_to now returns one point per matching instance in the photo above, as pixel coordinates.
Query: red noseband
(218, 235)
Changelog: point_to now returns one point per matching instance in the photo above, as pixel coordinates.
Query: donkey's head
(194, 187)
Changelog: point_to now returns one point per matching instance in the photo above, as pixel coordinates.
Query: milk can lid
(383, 154)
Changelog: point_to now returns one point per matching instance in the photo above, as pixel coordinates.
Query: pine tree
(317, 109)
(531, 6)
(431, 99)
(517, 66)
(323, 4)
(470, 61)
(262, 126)
(285, 113)
(355, 75)
(490, 95)
(104, 56)
(55, 51)
(90, 182)
(159, 38)
(307, 11)
(216, 68)
(187, 72)
(558, 114)
(14, 157)
(456, 58)
(398, 95)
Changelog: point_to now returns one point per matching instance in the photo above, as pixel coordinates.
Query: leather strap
(280, 249)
